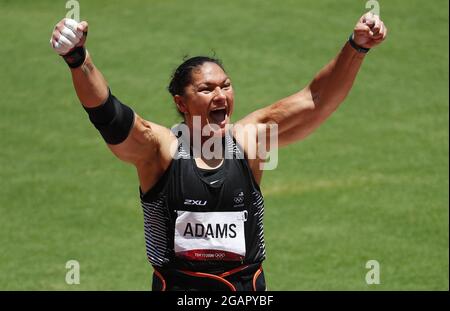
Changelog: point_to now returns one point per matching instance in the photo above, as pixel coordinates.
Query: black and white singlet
(204, 220)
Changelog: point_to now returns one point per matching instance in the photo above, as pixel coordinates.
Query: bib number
(210, 235)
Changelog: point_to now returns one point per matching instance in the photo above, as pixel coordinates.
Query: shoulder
(253, 137)
(146, 142)
(159, 146)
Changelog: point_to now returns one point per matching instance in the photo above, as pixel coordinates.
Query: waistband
(244, 278)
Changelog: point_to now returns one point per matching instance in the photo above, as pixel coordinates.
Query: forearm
(299, 114)
(332, 84)
(90, 85)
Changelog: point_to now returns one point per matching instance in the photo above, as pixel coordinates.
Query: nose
(219, 94)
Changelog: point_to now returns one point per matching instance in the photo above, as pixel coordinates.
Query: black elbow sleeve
(112, 119)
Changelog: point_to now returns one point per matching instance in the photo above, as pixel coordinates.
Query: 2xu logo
(195, 202)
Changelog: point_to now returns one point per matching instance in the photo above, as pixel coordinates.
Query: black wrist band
(76, 57)
(358, 48)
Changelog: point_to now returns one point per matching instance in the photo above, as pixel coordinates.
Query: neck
(211, 147)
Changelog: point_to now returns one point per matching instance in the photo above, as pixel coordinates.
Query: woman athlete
(199, 181)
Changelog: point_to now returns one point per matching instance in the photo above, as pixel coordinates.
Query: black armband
(76, 57)
(112, 119)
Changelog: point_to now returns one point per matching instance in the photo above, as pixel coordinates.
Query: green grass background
(371, 183)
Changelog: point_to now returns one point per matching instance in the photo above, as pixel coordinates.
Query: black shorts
(244, 278)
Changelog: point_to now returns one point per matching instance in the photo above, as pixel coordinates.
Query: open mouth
(218, 116)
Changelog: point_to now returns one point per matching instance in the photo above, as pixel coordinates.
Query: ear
(181, 104)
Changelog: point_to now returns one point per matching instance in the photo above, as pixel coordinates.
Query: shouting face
(209, 96)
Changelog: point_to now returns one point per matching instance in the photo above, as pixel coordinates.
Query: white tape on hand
(70, 35)
(73, 25)
(68, 39)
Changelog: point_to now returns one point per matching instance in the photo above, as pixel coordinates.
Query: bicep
(143, 144)
(295, 116)
(295, 111)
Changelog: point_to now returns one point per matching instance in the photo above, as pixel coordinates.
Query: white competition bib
(210, 235)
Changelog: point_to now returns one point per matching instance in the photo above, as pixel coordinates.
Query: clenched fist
(68, 39)
(369, 31)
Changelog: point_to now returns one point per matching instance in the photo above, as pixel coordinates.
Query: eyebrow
(211, 83)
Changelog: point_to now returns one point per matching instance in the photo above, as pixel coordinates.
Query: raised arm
(299, 114)
(130, 138)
